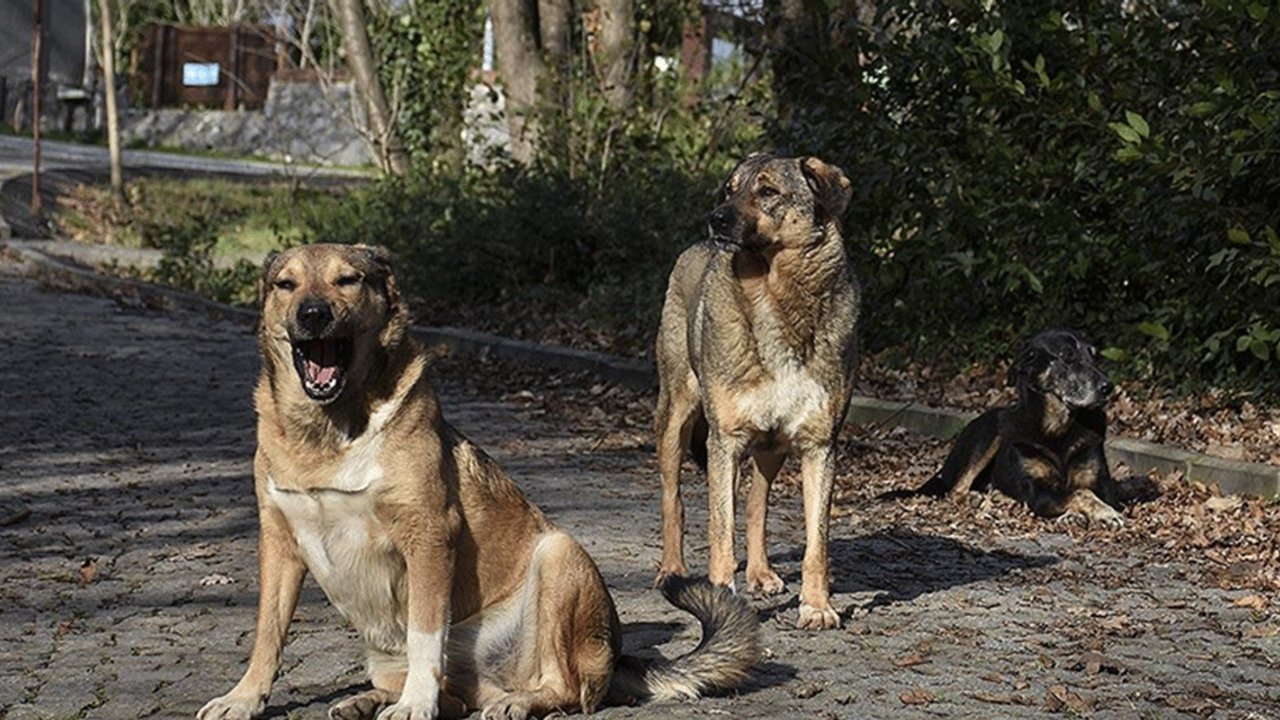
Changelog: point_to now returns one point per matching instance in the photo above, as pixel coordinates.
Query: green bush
(187, 261)
(593, 225)
(1018, 167)
(1021, 168)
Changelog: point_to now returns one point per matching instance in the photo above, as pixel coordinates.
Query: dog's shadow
(899, 565)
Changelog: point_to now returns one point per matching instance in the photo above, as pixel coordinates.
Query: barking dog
(418, 538)
(1047, 449)
(756, 354)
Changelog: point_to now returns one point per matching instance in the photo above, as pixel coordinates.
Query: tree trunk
(355, 39)
(554, 20)
(109, 89)
(796, 43)
(519, 65)
(616, 60)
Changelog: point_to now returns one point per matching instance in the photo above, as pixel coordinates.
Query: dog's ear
(830, 186)
(378, 260)
(268, 270)
(1026, 367)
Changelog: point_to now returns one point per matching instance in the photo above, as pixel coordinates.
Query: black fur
(1047, 448)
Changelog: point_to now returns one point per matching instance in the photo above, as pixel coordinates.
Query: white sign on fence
(200, 74)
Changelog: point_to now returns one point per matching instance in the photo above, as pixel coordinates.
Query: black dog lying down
(1047, 449)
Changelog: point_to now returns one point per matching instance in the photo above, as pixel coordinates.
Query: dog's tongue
(322, 361)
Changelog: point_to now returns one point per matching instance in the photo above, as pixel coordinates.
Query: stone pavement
(128, 574)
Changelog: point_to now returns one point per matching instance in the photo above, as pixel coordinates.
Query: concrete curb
(146, 293)
(1231, 476)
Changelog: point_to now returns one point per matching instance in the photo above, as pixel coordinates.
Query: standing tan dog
(757, 350)
(418, 538)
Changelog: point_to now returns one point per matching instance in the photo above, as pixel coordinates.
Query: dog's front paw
(1073, 518)
(406, 711)
(1108, 518)
(362, 706)
(764, 583)
(515, 706)
(233, 707)
(817, 618)
(1093, 513)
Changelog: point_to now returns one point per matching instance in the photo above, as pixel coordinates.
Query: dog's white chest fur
(352, 558)
(786, 402)
(790, 398)
(347, 549)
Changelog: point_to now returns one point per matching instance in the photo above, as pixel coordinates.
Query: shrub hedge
(1113, 168)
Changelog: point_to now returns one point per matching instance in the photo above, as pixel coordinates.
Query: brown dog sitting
(1047, 449)
(466, 596)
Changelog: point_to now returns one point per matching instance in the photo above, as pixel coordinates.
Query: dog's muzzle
(320, 357)
(727, 229)
(722, 226)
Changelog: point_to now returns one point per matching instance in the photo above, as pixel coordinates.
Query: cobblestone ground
(128, 575)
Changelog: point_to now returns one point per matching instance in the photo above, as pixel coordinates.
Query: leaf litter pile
(1222, 542)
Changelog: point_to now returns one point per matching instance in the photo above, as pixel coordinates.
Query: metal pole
(36, 32)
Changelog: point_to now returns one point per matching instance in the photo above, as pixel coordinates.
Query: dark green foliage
(595, 223)
(1015, 168)
(425, 54)
(1018, 169)
(188, 263)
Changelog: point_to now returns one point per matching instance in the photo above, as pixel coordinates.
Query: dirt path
(128, 578)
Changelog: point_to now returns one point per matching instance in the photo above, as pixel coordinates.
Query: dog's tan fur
(757, 347)
(416, 536)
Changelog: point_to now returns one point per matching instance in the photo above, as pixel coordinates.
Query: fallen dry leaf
(88, 570)
(1224, 504)
(916, 696)
(806, 690)
(216, 579)
(910, 660)
(1093, 663)
(1060, 698)
(996, 699)
(1256, 602)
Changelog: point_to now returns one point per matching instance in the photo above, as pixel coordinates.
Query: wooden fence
(209, 67)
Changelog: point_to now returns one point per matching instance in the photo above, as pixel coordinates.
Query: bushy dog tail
(730, 647)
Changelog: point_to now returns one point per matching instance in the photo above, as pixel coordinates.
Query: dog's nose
(721, 220)
(314, 316)
(1105, 388)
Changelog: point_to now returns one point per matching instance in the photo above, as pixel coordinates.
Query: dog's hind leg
(388, 673)
(561, 646)
(761, 578)
(677, 414)
(966, 467)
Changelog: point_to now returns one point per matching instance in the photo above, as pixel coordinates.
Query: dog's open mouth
(322, 366)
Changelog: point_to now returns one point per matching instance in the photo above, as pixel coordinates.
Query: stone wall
(303, 121)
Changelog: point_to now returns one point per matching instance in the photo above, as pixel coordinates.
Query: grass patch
(249, 218)
(212, 232)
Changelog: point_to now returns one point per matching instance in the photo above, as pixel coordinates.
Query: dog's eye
(349, 280)
(286, 285)
(768, 191)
